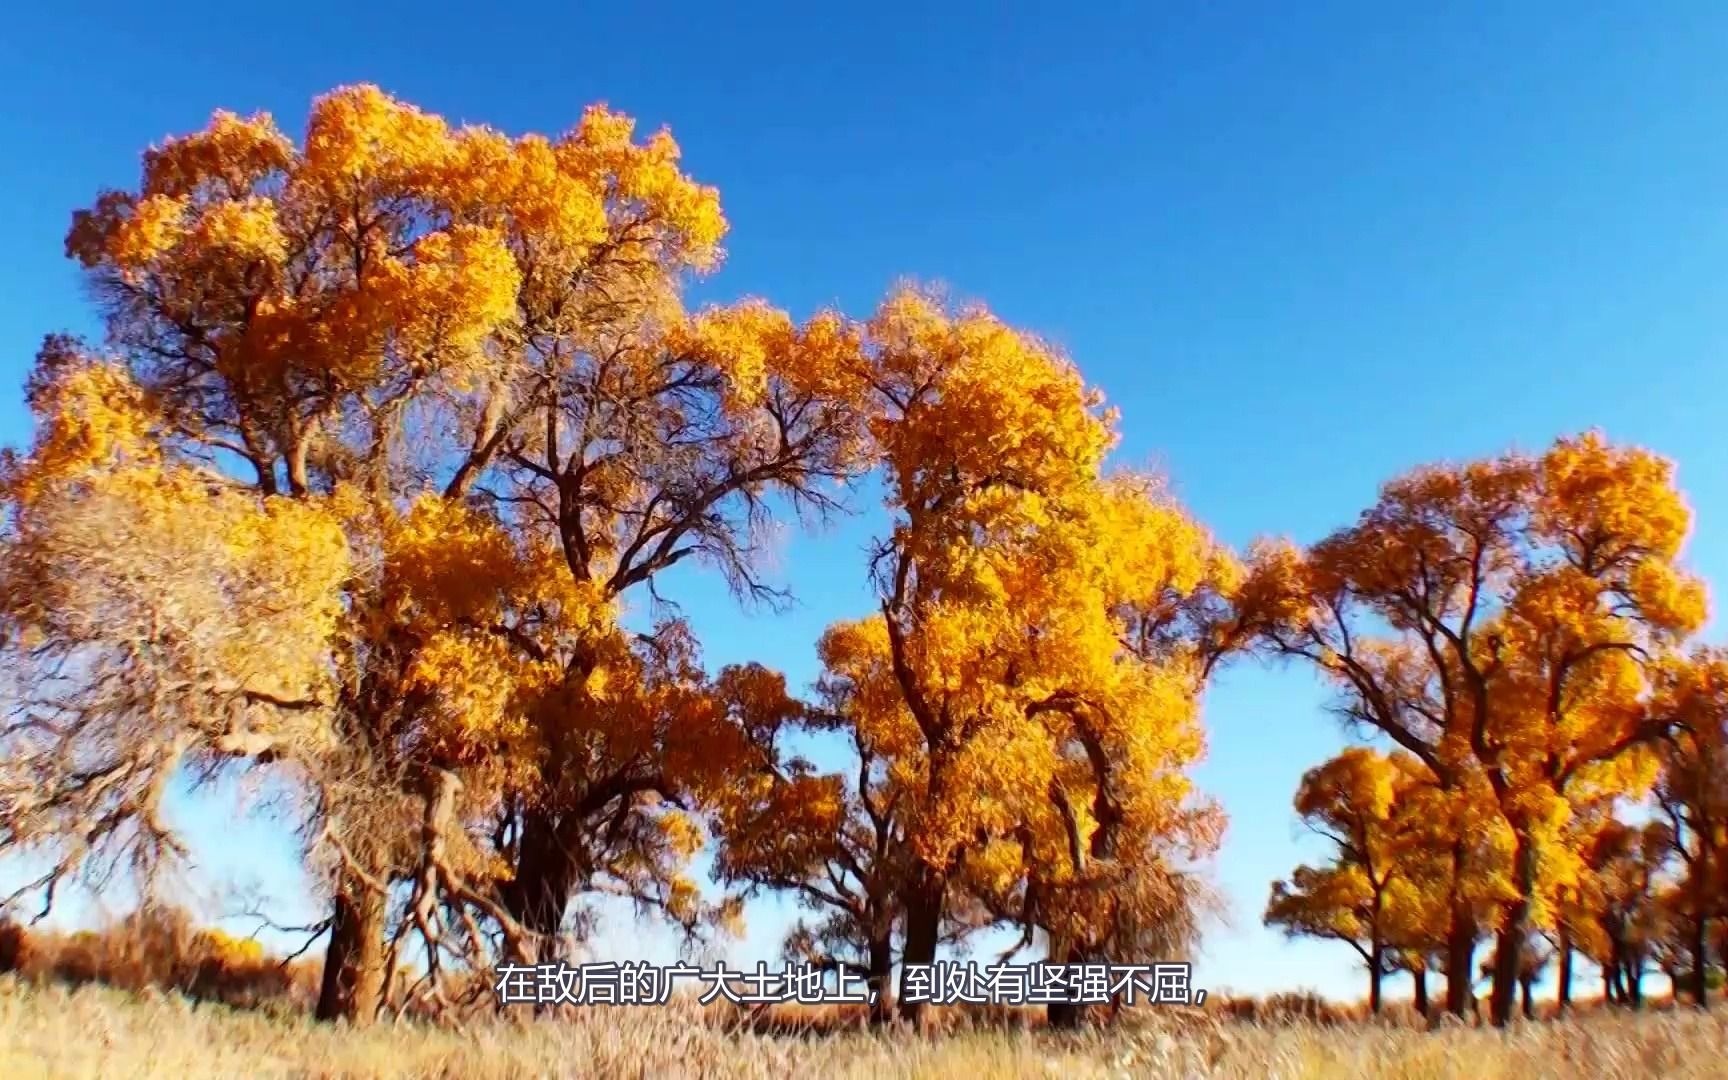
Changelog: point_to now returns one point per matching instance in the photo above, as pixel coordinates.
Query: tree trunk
(1460, 961)
(1527, 994)
(1376, 965)
(1722, 942)
(1611, 989)
(353, 984)
(1460, 939)
(881, 979)
(925, 893)
(1635, 983)
(546, 871)
(1704, 900)
(1701, 960)
(1419, 980)
(1509, 952)
(1503, 991)
(1066, 1015)
(1563, 991)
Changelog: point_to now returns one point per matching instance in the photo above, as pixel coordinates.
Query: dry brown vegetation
(146, 997)
(161, 949)
(93, 1031)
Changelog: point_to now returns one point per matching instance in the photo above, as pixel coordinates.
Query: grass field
(49, 1030)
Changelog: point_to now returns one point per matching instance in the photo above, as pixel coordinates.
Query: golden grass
(53, 1030)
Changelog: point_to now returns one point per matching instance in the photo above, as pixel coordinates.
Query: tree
(1379, 893)
(1494, 620)
(647, 438)
(1002, 681)
(1625, 863)
(837, 843)
(1692, 794)
(123, 661)
(1577, 902)
(1534, 957)
(451, 371)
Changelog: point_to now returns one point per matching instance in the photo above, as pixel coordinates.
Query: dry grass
(154, 997)
(51, 1029)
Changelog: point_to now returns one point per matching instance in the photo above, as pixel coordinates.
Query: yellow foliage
(359, 136)
(1523, 606)
(91, 416)
(234, 952)
(1032, 682)
(227, 158)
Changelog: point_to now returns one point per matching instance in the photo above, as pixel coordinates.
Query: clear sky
(1301, 246)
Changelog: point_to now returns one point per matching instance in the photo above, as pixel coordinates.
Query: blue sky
(1302, 247)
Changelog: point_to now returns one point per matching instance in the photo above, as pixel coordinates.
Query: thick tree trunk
(1066, 1015)
(1460, 940)
(1635, 983)
(1419, 981)
(1563, 978)
(1509, 952)
(546, 872)
(924, 898)
(353, 985)
(1460, 963)
(881, 980)
(1503, 993)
